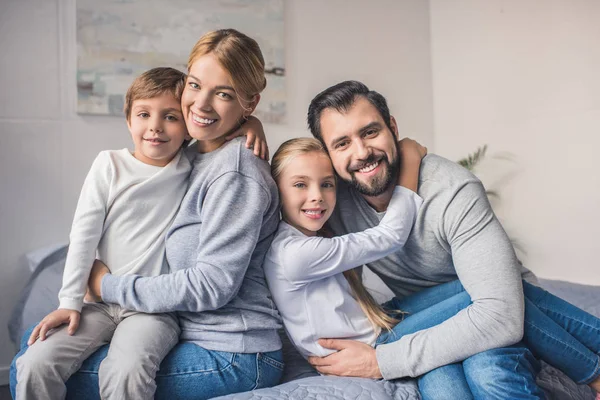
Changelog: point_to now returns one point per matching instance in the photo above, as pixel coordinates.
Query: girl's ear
(252, 105)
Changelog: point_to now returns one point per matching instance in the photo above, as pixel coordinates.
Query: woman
(216, 246)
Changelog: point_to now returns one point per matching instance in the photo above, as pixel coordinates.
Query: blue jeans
(188, 372)
(557, 332)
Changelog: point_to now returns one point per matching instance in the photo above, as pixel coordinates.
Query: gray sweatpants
(138, 343)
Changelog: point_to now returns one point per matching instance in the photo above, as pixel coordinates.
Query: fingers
(334, 344)
(74, 323)
(34, 334)
(46, 326)
(251, 141)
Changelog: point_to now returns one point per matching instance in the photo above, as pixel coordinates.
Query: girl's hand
(255, 137)
(54, 320)
(411, 154)
(95, 280)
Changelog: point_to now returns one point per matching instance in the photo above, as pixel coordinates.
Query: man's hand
(95, 281)
(352, 359)
(54, 320)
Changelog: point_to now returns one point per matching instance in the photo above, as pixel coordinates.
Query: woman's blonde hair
(240, 56)
(281, 159)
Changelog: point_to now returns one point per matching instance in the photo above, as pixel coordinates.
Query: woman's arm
(232, 214)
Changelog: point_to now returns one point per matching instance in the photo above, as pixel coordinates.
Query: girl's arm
(255, 137)
(232, 215)
(306, 259)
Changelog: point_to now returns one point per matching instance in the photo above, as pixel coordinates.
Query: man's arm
(487, 266)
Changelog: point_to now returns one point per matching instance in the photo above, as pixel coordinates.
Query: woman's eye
(194, 85)
(225, 96)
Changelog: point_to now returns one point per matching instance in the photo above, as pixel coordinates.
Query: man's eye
(341, 145)
(370, 132)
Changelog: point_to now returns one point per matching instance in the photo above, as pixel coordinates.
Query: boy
(127, 203)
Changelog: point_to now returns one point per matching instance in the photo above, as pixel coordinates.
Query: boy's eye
(143, 115)
(171, 118)
(299, 185)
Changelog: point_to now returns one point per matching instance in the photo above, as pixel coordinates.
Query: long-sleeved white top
(305, 276)
(124, 210)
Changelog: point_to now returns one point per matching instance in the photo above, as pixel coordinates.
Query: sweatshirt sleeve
(307, 259)
(86, 231)
(232, 215)
(487, 266)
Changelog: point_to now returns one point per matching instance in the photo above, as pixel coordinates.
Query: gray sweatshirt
(215, 249)
(456, 235)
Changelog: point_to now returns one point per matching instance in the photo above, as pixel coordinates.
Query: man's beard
(380, 183)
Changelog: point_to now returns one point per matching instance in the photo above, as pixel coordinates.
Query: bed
(300, 381)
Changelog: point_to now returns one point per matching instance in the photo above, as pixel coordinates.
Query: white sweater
(305, 276)
(123, 213)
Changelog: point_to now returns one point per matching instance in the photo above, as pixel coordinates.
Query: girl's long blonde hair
(281, 159)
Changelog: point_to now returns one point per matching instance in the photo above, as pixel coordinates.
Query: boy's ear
(252, 105)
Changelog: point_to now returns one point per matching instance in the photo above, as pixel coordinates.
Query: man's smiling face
(362, 148)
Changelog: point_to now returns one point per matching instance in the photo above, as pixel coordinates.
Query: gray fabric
(456, 235)
(139, 342)
(216, 248)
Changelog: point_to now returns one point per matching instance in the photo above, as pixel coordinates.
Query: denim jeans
(188, 372)
(557, 332)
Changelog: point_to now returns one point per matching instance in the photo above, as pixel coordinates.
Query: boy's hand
(255, 137)
(54, 320)
(99, 269)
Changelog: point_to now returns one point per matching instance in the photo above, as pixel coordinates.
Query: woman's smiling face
(210, 105)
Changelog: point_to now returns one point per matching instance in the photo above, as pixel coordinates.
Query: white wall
(46, 149)
(522, 76)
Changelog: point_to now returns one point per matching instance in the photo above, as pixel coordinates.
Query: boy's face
(157, 128)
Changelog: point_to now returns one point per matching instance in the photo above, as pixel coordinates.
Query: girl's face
(210, 104)
(307, 188)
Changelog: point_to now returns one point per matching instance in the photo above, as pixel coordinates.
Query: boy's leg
(45, 366)
(138, 346)
(581, 325)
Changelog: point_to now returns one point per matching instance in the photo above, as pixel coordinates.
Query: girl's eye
(328, 185)
(225, 96)
(143, 115)
(299, 185)
(194, 85)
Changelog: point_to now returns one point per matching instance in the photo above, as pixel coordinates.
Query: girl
(319, 295)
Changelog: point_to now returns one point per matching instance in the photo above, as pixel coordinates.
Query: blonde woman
(216, 245)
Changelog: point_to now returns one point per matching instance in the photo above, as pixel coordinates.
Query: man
(456, 235)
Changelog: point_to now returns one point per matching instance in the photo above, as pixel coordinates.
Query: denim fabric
(557, 332)
(188, 372)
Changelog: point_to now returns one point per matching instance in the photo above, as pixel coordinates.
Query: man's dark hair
(341, 97)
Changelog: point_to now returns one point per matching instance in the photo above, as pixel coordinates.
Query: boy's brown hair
(153, 83)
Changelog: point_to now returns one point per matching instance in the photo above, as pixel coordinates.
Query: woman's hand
(54, 320)
(95, 281)
(255, 137)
